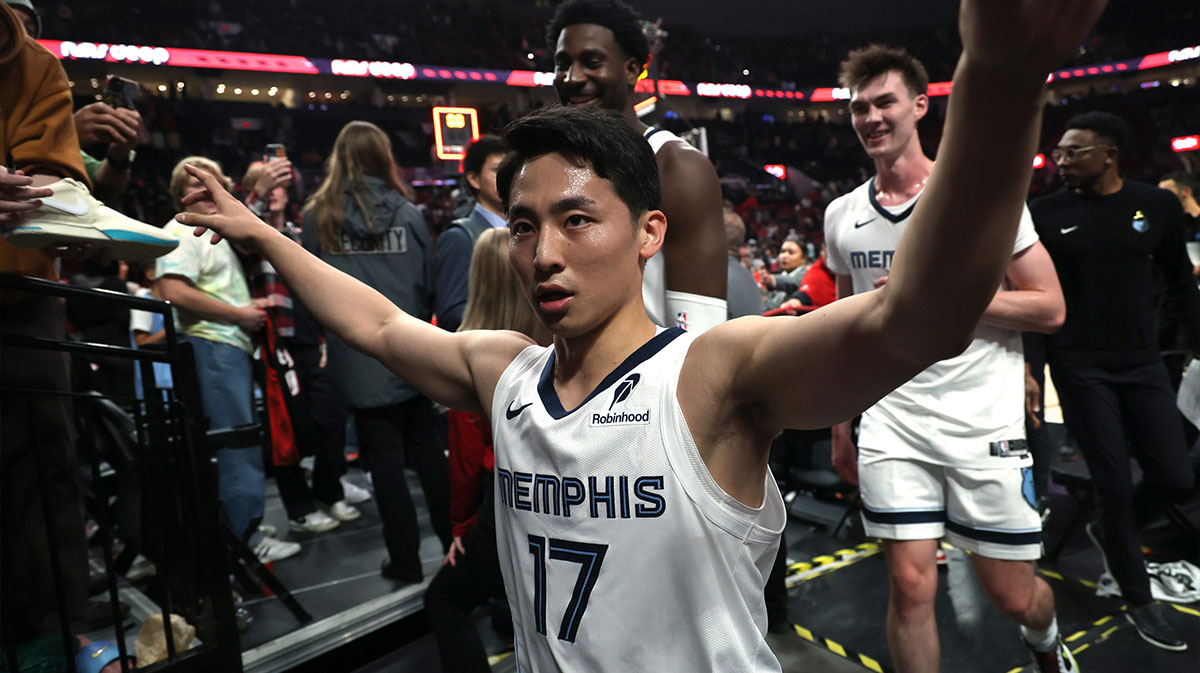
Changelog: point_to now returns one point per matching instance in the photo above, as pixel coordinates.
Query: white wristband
(694, 312)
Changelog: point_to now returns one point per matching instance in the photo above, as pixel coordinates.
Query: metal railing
(162, 477)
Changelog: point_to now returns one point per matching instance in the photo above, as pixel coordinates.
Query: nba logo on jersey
(681, 319)
(1140, 225)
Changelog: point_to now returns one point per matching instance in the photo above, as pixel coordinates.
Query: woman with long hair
(471, 573)
(361, 222)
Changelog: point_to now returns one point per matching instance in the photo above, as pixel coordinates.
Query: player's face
(884, 113)
(591, 69)
(1092, 157)
(789, 256)
(573, 246)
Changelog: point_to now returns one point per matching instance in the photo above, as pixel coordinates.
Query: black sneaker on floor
(1154, 628)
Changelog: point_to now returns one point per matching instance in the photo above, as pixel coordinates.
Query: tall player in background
(600, 52)
(668, 510)
(944, 454)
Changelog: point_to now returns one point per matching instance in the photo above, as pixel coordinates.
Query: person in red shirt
(818, 287)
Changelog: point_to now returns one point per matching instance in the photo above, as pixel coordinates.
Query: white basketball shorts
(991, 512)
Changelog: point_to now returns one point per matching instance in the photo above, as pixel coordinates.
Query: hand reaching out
(233, 220)
(1025, 36)
(17, 196)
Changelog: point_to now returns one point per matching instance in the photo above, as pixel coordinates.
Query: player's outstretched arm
(459, 370)
(825, 367)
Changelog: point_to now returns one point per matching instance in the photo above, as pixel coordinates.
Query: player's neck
(900, 178)
(631, 114)
(581, 362)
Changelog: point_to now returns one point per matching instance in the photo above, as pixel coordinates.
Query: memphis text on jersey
(608, 497)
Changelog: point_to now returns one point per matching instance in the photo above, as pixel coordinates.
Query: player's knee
(1014, 601)
(913, 588)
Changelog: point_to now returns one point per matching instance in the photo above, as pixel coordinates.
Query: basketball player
(600, 51)
(635, 514)
(944, 454)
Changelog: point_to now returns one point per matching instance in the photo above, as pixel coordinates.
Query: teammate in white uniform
(652, 555)
(943, 455)
(600, 51)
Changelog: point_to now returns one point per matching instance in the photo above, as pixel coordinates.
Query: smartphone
(275, 151)
(121, 93)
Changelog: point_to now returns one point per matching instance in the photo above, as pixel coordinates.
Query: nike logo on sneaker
(511, 413)
(1067, 230)
(77, 208)
(864, 222)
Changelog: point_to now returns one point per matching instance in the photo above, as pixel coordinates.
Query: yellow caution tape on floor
(801, 571)
(841, 650)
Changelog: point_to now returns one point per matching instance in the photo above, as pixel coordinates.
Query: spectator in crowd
(818, 287)
(1186, 186)
(742, 294)
(119, 130)
(600, 52)
(1108, 236)
(38, 135)
(471, 574)
(216, 314)
(312, 418)
(452, 261)
(360, 222)
(793, 264)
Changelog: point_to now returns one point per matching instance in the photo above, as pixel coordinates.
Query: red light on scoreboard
(778, 170)
(453, 129)
(1185, 143)
(1039, 160)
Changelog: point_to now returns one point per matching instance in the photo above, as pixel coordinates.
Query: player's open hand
(232, 219)
(1025, 36)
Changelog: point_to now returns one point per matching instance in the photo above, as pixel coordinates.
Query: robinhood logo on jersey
(621, 417)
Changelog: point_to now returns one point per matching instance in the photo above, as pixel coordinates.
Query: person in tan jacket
(37, 138)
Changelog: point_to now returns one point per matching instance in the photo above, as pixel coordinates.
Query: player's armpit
(694, 249)
(457, 369)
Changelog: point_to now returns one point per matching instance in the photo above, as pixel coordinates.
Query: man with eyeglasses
(1107, 236)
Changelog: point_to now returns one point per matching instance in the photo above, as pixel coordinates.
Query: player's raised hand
(1029, 36)
(232, 219)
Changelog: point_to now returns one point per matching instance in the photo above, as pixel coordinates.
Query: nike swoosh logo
(1067, 230)
(97, 653)
(77, 208)
(511, 413)
(864, 222)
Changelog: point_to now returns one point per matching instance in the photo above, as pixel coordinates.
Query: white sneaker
(343, 511)
(313, 522)
(352, 493)
(271, 549)
(73, 216)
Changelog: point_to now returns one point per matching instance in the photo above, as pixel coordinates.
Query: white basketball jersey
(619, 551)
(961, 411)
(654, 278)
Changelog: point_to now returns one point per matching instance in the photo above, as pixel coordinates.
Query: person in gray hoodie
(361, 222)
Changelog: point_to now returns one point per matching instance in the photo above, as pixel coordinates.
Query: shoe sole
(121, 243)
(1157, 643)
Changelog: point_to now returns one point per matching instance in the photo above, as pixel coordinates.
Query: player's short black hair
(479, 151)
(623, 20)
(602, 138)
(1185, 179)
(1105, 125)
